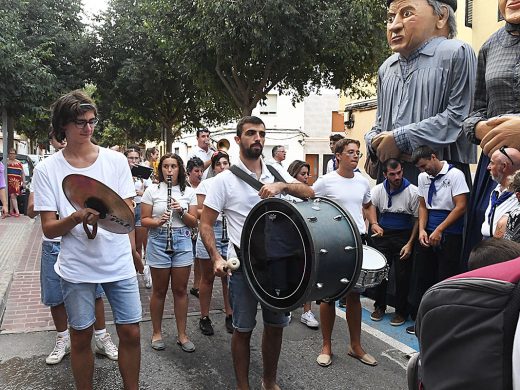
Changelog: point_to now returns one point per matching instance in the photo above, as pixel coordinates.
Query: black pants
(433, 264)
(390, 245)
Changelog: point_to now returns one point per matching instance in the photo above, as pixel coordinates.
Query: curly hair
(181, 178)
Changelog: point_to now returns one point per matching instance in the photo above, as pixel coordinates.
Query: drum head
(372, 258)
(276, 252)
(296, 252)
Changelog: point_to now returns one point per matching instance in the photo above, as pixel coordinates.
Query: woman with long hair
(133, 156)
(300, 170)
(16, 180)
(170, 220)
(219, 163)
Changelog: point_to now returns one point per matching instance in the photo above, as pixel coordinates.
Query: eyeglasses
(351, 153)
(81, 123)
(503, 151)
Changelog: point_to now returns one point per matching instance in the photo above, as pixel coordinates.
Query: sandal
(194, 291)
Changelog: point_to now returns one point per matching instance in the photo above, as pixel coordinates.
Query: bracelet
(375, 223)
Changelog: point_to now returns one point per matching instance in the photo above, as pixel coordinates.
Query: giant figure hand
(385, 146)
(505, 132)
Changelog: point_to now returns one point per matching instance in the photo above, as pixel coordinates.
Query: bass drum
(296, 252)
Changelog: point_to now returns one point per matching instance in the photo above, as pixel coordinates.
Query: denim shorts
(50, 281)
(244, 305)
(202, 253)
(182, 255)
(137, 212)
(123, 296)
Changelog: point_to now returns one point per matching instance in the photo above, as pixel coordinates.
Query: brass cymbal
(114, 214)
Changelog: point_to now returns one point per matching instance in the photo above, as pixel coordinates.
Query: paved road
(26, 340)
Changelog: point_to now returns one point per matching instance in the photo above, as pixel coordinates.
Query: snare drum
(374, 269)
(296, 252)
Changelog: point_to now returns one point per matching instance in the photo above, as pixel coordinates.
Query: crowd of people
(436, 102)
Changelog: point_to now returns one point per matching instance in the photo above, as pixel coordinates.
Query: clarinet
(224, 239)
(169, 245)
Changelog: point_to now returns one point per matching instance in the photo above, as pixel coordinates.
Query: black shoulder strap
(245, 177)
(275, 173)
(256, 184)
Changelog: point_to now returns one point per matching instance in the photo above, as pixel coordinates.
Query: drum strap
(256, 184)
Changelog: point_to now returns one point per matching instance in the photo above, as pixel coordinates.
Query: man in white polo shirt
(503, 163)
(443, 196)
(236, 198)
(203, 150)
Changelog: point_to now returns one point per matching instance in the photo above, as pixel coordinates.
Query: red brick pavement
(24, 311)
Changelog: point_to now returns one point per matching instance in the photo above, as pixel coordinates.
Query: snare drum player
(234, 197)
(397, 201)
(443, 194)
(351, 190)
(83, 263)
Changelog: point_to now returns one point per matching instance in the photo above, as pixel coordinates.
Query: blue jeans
(50, 281)
(202, 253)
(244, 305)
(123, 296)
(182, 255)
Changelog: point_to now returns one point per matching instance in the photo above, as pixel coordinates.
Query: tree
(139, 86)
(252, 47)
(44, 52)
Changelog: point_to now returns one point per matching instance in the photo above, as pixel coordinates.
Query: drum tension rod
(337, 217)
(324, 251)
(349, 248)
(344, 281)
(319, 285)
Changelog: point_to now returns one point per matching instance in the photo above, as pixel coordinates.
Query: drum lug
(323, 251)
(319, 286)
(317, 208)
(344, 281)
(349, 248)
(338, 218)
(312, 219)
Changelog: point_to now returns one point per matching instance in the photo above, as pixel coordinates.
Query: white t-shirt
(203, 189)
(406, 202)
(350, 193)
(57, 239)
(452, 184)
(140, 185)
(508, 205)
(106, 258)
(157, 194)
(330, 165)
(204, 156)
(236, 198)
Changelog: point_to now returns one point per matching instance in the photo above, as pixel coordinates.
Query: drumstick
(233, 264)
(375, 235)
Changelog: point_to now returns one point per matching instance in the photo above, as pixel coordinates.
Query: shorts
(137, 212)
(202, 253)
(244, 305)
(50, 281)
(182, 255)
(123, 296)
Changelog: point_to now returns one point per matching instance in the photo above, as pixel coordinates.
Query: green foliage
(254, 46)
(44, 52)
(139, 86)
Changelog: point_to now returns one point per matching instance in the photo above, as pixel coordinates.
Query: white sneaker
(105, 346)
(309, 319)
(147, 277)
(61, 348)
